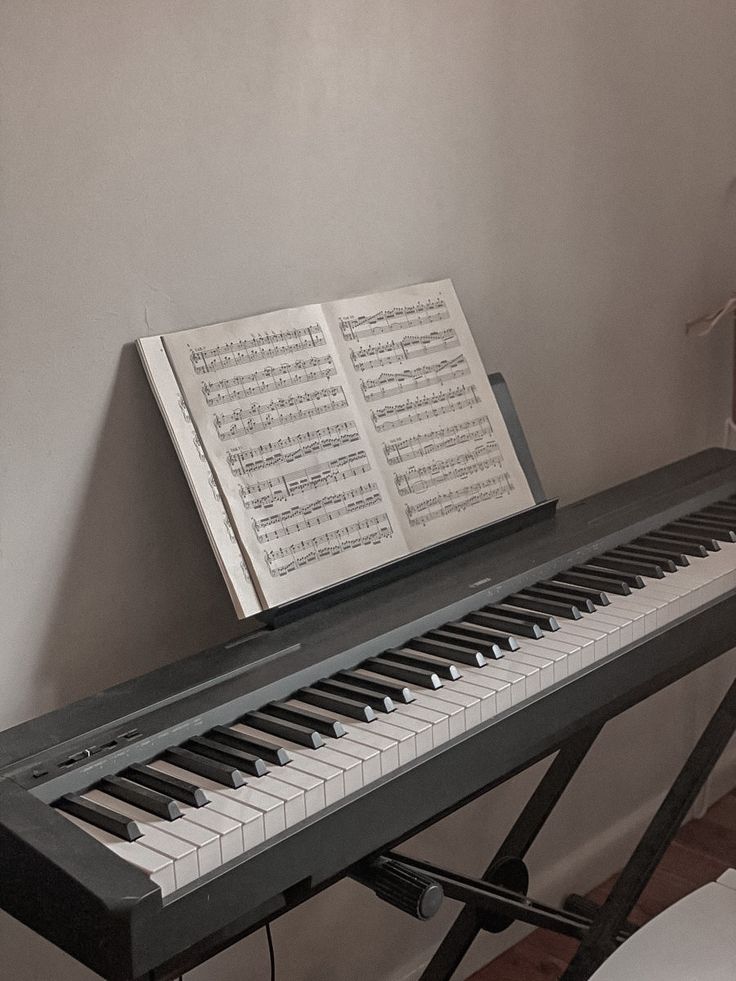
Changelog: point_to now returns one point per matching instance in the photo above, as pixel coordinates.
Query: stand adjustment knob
(414, 893)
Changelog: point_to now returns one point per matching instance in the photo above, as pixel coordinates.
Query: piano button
(440, 645)
(218, 750)
(584, 604)
(287, 730)
(183, 855)
(598, 597)
(518, 628)
(521, 614)
(225, 776)
(475, 632)
(362, 679)
(186, 793)
(106, 819)
(471, 650)
(157, 867)
(378, 702)
(552, 608)
(443, 668)
(151, 800)
(632, 580)
(655, 539)
(260, 747)
(438, 721)
(229, 832)
(251, 821)
(619, 563)
(689, 544)
(417, 677)
(305, 717)
(353, 708)
(596, 579)
(666, 563)
(721, 531)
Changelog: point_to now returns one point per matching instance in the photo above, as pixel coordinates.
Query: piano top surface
(418, 602)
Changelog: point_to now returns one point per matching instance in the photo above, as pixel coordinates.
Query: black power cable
(271, 954)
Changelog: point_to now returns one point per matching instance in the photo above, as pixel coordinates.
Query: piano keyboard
(220, 795)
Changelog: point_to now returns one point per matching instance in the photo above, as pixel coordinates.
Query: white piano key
(515, 679)
(420, 728)
(229, 832)
(368, 756)
(184, 855)
(396, 746)
(456, 718)
(527, 670)
(157, 867)
(566, 658)
(469, 702)
(311, 786)
(605, 637)
(485, 694)
(545, 666)
(439, 722)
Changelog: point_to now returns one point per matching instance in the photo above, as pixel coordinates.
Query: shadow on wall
(140, 586)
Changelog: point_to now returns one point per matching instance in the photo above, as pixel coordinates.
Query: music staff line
(425, 376)
(425, 407)
(397, 318)
(258, 418)
(245, 461)
(301, 518)
(265, 493)
(257, 347)
(436, 440)
(408, 348)
(455, 502)
(268, 380)
(359, 534)
(417, 480)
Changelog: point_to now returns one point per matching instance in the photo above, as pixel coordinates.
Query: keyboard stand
(499, 898)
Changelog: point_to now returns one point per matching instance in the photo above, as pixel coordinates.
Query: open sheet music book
(327, 440)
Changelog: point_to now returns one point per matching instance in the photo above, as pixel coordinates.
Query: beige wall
(168, 163)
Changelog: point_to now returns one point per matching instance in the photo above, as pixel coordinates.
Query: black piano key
(228, 776)
(648, 555)
(584, 604)
(545, 621)
(415, 659)
(187, 793)
(691, 535)
(215, 749)
(459, 642)
(396, 691)
(723, 510)
(359, 694)
(283, 729)
(721, 532)
(100, 817)
(596, 596)
(439, 644)
(419, 677)
(708, 520)
(619, 563)
(292, 713)
(148, 800)
(498, 622)
(682, 544)
(597, 580)
(260, 749)
(496, 637)
(631, 579)
(353, 708)
(553, 608)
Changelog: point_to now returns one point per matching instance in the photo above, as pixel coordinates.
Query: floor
(702, 850)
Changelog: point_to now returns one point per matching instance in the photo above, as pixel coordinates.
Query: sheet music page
(306, 496)
(431, 413)
(199, 476)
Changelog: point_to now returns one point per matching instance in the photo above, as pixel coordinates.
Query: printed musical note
(416, 480)
(456, 501)
(245, 461)
(320, 511)
(395, 382)
(265, 493)
(425, 407)
(269, 379)
(438, 440)
(409, 347)
(396, 318)
(255, 347)
(258, 417)
(359, 534)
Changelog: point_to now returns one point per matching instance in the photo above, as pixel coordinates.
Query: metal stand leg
(526, 828)
(600, 941)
